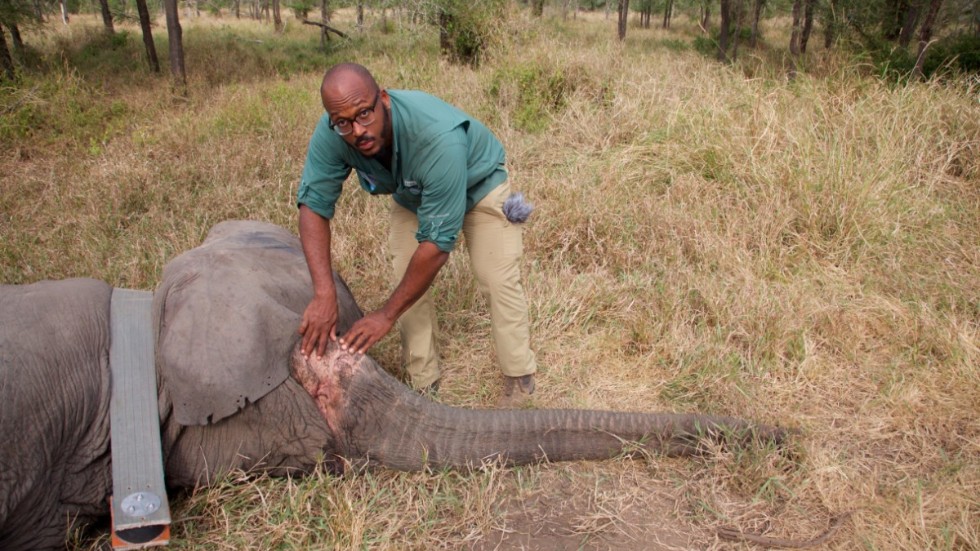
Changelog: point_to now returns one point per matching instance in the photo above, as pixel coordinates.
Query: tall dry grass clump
(801, 253)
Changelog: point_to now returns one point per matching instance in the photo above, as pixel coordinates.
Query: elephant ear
(226, 316)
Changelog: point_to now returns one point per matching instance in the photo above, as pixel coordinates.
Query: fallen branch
(325, 27)
(736, 535)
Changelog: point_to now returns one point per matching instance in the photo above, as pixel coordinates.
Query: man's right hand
(319, 325)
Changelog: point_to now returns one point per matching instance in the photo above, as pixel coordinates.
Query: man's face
(351, 101)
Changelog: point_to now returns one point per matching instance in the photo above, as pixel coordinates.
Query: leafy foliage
(534, 92)
(467, 28)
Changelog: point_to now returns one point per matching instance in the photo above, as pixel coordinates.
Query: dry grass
(706, 238)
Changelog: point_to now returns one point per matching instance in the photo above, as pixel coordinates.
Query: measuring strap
(140, 511)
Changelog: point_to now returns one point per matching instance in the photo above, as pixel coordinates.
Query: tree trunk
(445, 21)
(908, 27)
(324, 18)
(757, 8)
(276, 16)
(738, 17)
(537, 8)
(668, 13)
(360, 15)
(106, 17)
(830, 26)
(64, 11)
(794, 37)
(18, 42)
(624, 11)
(151, 50)
(6, 62)
(807, 24)
(38, 12)
(893, 18)
(925, 36)
(176, 44)
(726, 17)
(237, 6)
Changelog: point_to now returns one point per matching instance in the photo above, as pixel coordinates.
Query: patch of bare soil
(582, 507)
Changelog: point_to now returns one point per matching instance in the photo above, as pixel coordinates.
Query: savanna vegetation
(788, 236)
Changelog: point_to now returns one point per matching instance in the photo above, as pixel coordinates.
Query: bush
(534, 93)
(467, 28)
(958, 52)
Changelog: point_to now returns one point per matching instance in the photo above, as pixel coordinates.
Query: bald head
(345, 75)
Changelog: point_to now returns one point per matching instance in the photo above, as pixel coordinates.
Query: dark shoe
(430, 391)
(517, 392)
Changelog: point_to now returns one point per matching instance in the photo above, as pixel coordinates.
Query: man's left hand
(366, 332)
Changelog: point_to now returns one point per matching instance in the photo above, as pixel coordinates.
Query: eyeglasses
(363, 118)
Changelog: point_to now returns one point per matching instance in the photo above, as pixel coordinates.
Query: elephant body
(291, 413)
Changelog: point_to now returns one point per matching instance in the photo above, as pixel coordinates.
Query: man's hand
(422, 269)
(318, 325)
(366, 332)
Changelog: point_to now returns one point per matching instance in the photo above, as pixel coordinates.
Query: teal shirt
(443, 163)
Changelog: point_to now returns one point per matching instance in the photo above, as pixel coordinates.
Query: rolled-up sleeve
(324, 172)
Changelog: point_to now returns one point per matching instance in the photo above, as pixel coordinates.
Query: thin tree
(644, 8)
(17, 40)
(175, 36)
(445, 22)
(106, 17)
(723, 34)
(276, 16)
(64, 11)
(6, 62)
(757, 8)
(624, 11)
(668, 13)
(705, 18)
(151, 50)
(830, 25)
(12, 15)
(892, 18)
(809, 8)
(908, 27)
(797, 28)
(794, 37)
(324, 18)
(925, 36)
(738, 16)
(537, 8)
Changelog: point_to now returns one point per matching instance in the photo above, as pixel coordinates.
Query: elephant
(234, 392)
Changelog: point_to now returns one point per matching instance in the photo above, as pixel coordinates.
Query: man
(446, 174)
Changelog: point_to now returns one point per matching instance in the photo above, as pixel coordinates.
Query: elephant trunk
(380, 421)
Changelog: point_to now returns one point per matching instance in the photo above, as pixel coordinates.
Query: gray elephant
(233, 393)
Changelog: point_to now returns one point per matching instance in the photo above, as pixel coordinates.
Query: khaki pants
(495, 246)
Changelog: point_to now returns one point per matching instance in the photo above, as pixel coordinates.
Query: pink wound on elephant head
(324, 378)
